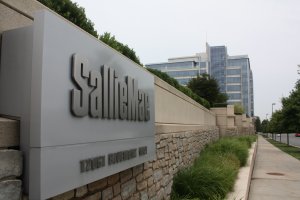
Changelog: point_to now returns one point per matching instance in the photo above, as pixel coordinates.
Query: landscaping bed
(213, 174)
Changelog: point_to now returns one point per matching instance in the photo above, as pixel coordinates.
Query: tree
(275, 124)
(72, 12)
(110, 40)
(291, 110)
(264, 126)
(258, 124)
(207, 88)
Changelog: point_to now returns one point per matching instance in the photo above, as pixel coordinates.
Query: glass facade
(160, 66)
(187, 65)
(233, 71)
(203, 71)
(218, 63)
(233, 88)
(183, 81)
(245, 81)
(202, 64)
(174, 74)
(233, 79)
(251, 93)
(234, 96)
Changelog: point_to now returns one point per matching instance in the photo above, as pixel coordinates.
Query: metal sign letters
(110, 97)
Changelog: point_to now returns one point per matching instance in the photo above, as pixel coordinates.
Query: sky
(267, 31)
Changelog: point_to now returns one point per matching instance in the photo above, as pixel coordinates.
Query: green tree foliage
(291, 110)
(264, 126)
(207, 88)
(110, 40)
(276, 122)
(258, 124)
(287, 119)
(238, 109)
(181, 88)
(72, 12)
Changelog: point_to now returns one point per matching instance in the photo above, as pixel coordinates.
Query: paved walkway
(276, 175)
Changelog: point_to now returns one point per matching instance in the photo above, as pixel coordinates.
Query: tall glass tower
(218, 63)
(233, 73)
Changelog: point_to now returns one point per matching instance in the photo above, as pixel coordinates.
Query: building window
(234, 88)
(233, 71)
(183, 81)
(202, 64)
(203, 71)
(233, 79)
(183, 73)
(234, 96)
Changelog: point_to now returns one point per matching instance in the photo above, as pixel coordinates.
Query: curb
(251, 170)
(242, 183)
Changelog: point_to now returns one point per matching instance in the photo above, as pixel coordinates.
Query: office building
(233, 73)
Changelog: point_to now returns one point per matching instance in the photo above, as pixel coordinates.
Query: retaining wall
(11, 162)
(183, 128)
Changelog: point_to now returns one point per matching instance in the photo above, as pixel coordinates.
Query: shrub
(235, 146)
(238, 109)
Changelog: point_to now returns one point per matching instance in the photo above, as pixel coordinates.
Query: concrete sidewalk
(276, 175)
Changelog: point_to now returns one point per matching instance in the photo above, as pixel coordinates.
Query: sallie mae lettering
(103, 94)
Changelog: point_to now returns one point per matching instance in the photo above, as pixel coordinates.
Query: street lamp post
(273, 104)
(272, 116)
(267, 119)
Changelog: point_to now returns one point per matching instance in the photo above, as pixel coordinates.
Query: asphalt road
(295, 141)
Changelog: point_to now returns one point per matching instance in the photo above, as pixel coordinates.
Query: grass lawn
(293, 151)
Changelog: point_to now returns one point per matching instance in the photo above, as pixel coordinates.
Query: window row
(183, 81)
(233, 88)
(233, 71)
(233, 79)
(183, 73)
(232, 96)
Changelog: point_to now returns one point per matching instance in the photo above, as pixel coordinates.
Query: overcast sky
(268, 31)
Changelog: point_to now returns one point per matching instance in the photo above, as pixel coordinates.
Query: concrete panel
(177, 128)
(54, 132)
(28, 7)
(172, 106)
(222, 120)
(219, 111)
(238, 120)
(10, 19)
(230, 110)
(230, 122)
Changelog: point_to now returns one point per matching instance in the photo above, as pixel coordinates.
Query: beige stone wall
(174, 107)
(17, 13)
(151, 180)
(231, 124)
